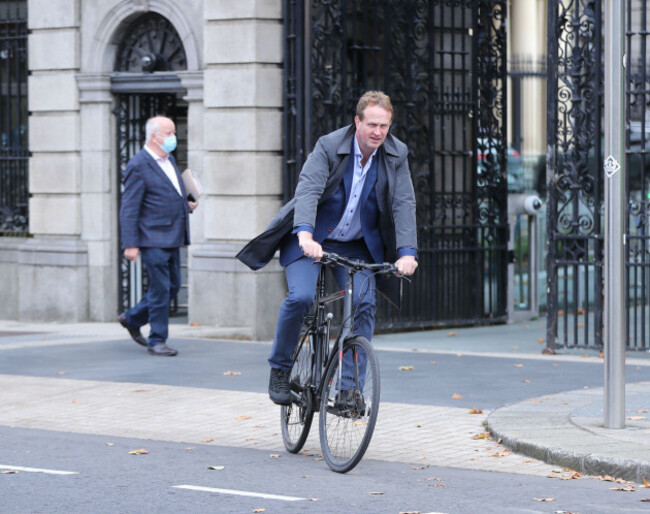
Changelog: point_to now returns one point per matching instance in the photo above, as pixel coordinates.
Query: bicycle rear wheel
(296, 418)
(349, 405)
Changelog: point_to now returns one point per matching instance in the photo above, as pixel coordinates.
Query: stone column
(98, 198)
(53, 265)
(242, 167)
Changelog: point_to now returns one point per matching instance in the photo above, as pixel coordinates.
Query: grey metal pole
(615, 201)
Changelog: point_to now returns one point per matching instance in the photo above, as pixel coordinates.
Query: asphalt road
(174, 477)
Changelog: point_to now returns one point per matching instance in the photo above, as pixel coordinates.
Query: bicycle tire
(346, 423)
(296, 418)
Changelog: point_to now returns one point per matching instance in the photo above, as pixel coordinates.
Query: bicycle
(339, 380)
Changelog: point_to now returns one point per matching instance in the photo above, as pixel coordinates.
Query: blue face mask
(169, 144)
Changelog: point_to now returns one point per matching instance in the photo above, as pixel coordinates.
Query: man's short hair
(374, 98)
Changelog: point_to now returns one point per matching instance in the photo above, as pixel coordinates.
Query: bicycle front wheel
(349, 405)
(296, 418)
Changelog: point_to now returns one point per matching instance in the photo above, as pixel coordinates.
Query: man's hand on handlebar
(309, 247)
(406, 265)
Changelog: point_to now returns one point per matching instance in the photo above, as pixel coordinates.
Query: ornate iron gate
(575, 175)
(444, 66)
(14, 152)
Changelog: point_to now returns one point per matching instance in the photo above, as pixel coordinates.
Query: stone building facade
(232, 86)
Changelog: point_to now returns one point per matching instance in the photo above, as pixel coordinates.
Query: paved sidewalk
(564, 429)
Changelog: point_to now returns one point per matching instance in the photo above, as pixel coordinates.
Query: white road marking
(38, 470)
(240, 493)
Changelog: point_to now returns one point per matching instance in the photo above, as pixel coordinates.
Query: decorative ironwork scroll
(575, 174)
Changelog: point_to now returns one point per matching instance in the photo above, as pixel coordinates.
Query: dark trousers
(164, 270)
(302, 276)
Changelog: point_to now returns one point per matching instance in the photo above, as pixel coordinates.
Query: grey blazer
(319, 178)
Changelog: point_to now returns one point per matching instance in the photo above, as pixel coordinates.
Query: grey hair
(152, 127)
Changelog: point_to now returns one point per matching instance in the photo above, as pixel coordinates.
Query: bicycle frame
(320, 328)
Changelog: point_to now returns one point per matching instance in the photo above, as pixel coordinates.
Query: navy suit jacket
(330, 213)
(152, 213)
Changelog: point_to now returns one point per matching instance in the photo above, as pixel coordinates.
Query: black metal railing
(14, 151)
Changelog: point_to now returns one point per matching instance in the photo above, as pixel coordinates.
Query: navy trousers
(302, 276)
(164, 270)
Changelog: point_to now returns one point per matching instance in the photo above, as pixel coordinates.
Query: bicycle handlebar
(357, 265)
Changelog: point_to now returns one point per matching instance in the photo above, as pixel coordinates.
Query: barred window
(14, 152)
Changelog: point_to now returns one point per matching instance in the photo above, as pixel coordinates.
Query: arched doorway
(144, 84)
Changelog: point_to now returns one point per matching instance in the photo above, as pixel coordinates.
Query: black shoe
(162, 349)
(279, 391)
(135, 333)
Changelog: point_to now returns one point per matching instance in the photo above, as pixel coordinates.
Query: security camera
(532, 204)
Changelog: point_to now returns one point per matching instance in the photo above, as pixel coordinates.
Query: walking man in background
(355, 198)
(154, 220)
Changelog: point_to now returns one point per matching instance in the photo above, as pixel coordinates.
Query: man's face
(373, 128)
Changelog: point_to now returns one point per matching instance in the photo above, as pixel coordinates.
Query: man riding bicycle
(355, 198)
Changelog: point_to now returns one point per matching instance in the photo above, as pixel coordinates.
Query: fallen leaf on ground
(519, 365)
(109, 444)
(544, 499)
(541, 340)
(502, 453)
(10, 472)
(530, 461)
(216, 468)
(571, 476)
(644, 500)
(208, 440)
(484, 435)
(243, 417)
(433, 363)
(437, 485)
(275, 455)
(645, 482)
(476, 411)
(313, 499)
(62, 372)
(259, 510)
(195, 324)
(456, 396)
(452, 334)
(406, 368)
(526, 381)
(376, 492)
(230, 373)
(629, 488)
(141, 451)
(191, 448)
(641, 411)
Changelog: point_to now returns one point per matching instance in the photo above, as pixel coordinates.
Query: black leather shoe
(279, 391)
(162, 349)
(135, 333)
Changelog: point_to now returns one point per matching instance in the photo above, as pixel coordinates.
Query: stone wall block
(54, 132)
(244, 130)
(242, 173)
(54, 215)
(243, 42)
(238, 218)
(54, 173)
(243, 9)
(244, 86)
(40, 45)
(53, 91)
(45, 14)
